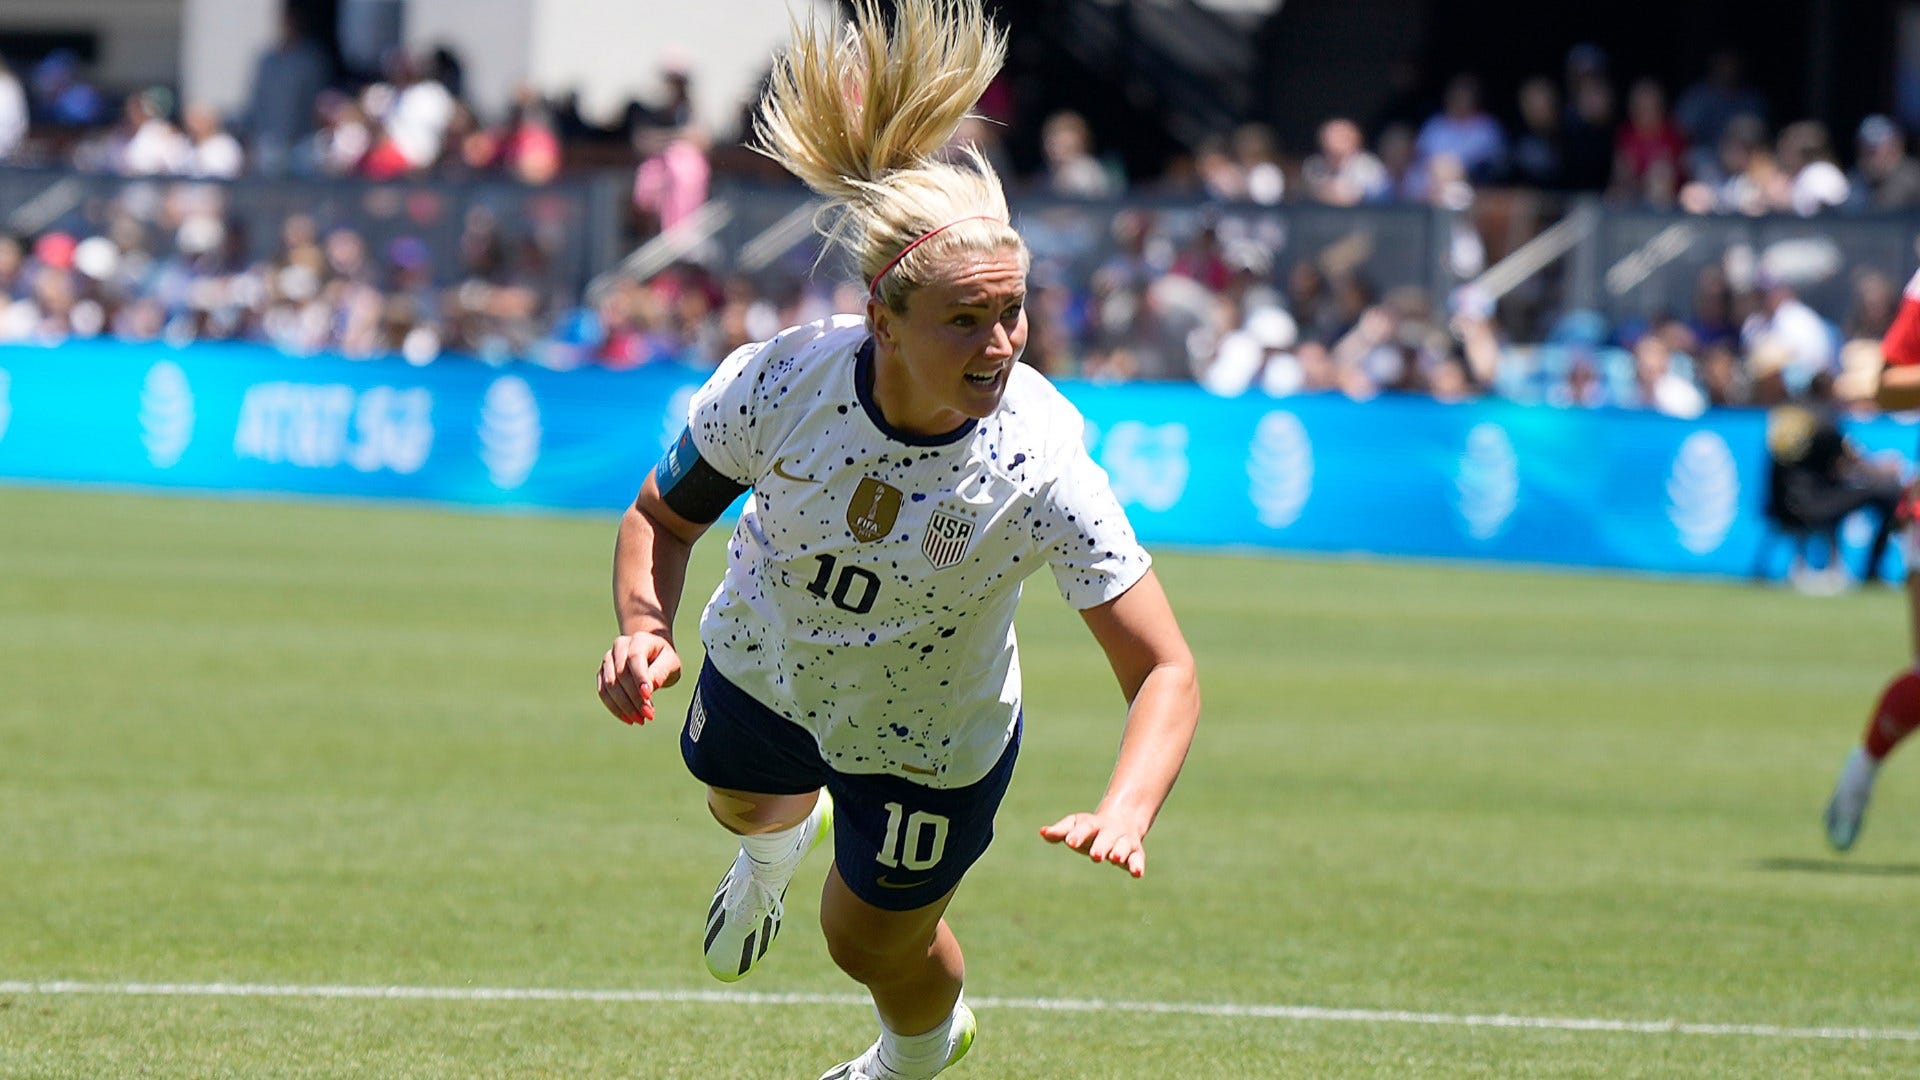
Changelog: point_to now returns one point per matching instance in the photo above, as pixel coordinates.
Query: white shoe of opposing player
(1849, 803)
(868, 1066)
(749, 903)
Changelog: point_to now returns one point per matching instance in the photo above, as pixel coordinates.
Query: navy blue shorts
(898, 845)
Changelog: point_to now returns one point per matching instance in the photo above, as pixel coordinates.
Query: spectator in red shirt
(1649, 152)
(528, 146)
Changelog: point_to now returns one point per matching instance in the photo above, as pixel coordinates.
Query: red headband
(873, 287)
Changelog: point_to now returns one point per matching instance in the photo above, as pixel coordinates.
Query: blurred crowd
(168, 259)
(168, 267)
(1713, 147)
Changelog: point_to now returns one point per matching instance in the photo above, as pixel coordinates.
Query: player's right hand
(629, 672)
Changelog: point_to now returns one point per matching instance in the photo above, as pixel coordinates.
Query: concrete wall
(220, 45)
(139, 39)
(612, 50)
(493, 38)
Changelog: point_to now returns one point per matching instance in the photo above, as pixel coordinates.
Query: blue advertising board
(1394, 476)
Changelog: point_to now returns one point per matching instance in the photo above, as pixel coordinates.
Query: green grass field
(326, 746)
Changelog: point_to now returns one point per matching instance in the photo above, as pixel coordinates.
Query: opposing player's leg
(1895, 716)
(1847, 808)
(911, 964)
(764, 777)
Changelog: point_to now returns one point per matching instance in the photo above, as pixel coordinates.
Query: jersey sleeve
(1901, 346)
(1087, 538)
(722, 422)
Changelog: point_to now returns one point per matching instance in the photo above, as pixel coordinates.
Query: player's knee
(874, 954)
(749, 816)
(865, 959)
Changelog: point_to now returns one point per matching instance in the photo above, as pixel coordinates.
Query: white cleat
(748, 905)
(868, 1066)
(1849, 803)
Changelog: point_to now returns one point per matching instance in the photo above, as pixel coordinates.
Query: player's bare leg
(911, 964)
(776, 832)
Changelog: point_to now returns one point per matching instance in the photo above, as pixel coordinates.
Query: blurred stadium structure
(1204, 123)
(1206, 159)
(1429, 198)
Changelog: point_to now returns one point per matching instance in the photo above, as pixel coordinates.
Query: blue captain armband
(690, 487)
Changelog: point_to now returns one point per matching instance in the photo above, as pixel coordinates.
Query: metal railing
(572, 228)
(1623, 264)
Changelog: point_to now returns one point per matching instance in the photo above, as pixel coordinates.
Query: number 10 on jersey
(916, 847)
(853, 589)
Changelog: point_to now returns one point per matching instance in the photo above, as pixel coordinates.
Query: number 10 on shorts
(916, 847)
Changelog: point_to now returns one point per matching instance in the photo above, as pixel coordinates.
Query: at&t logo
(509, 432)
(1488, 481)
(1279, 469)
(166, 414)
(1703, 492)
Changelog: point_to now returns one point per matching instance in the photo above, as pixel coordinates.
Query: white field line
(1170, 1008)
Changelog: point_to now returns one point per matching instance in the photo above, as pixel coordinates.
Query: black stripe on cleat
(746, 954)
(713, 932)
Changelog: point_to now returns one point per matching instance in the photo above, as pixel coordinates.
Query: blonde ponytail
(861, 115)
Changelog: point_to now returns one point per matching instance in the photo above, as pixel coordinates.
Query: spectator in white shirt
(1806, 154)
(414, 118)
(1072, 169)
(1786, 322)
(1657, 386)
(152, 146)
(214, 153)
(13, 112)
(1257, 353)
(1343, 173)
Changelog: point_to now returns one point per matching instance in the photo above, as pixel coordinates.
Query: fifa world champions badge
(874, 509)
(946, 540)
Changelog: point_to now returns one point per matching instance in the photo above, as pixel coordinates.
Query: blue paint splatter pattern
(895, 665)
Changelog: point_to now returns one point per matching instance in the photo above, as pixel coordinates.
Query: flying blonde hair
(861, 116)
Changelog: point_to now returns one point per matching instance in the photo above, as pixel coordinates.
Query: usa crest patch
(946, 541)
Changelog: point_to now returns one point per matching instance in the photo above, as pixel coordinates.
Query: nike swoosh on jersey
(886, 884)
(779, 470)
(917, 769)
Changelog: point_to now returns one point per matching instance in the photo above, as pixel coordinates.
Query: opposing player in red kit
(1897, 713)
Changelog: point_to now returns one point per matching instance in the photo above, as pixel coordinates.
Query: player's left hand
(1102, 837)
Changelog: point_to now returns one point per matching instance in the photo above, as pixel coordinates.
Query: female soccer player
(907, 472)
(1897, 713)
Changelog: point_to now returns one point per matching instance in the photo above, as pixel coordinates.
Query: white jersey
(872, 580)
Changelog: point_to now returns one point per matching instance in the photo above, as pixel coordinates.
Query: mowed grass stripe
(1061, 1005)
